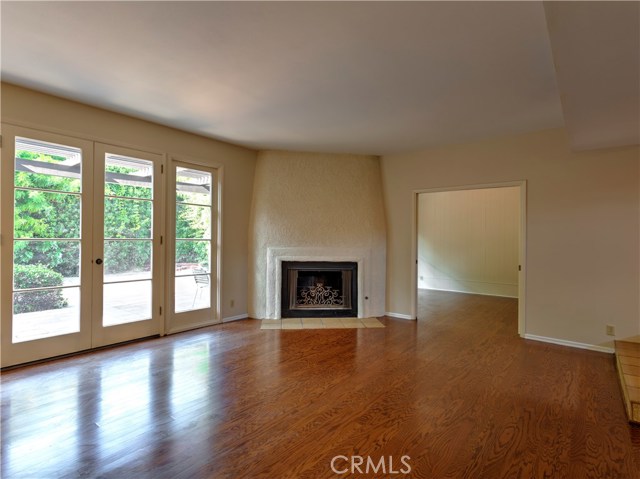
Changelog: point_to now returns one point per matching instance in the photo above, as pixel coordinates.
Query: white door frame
(91, 334)
(183, 321)
(522, 247)
(17, 353)
(105, 335)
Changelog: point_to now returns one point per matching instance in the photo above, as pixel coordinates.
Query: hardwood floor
(457, 391)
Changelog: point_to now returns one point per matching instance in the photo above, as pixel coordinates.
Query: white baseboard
(400, 316)
(189, 327)
(571, 344)
(206, 324)
(235, 318)
(495, 295)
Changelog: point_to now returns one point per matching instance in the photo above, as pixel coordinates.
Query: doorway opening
(471, 239)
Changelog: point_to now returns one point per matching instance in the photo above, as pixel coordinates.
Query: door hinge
(161, 240)
(161, 169)
(160, 310)
(0, 141)
(519, 267)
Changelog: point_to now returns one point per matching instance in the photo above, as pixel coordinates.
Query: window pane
(129, 177)
(193, 186)
(193, 221)
(192, 292)
(40, 264)
(45, 313)
(127, 218)
(127, 260)
(192, 256)
(47, 166)
(41, 214)
(126, 302)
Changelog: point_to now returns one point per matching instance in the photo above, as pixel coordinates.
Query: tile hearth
(321, 323)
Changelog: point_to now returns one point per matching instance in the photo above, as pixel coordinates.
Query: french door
(192, 290)
(127, 251)
(81, 253)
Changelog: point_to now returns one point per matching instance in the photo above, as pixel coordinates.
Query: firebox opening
(319, 289)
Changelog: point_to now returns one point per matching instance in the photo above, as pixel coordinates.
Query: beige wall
(468, 241)
(582, 227)
(583, 211)
(314, 206)
(37, 110)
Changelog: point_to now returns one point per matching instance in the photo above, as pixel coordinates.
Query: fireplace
(319, 289)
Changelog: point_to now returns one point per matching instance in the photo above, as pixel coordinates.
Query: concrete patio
(123, 303)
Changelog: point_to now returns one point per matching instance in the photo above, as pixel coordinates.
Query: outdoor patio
(124, 302)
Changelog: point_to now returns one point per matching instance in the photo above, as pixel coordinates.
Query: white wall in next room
(468, 241)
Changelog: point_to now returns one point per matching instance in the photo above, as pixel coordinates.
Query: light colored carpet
(321, 323)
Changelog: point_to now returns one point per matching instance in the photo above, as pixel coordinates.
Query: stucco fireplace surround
(313, 207)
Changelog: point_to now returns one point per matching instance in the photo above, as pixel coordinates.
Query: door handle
(99, 261)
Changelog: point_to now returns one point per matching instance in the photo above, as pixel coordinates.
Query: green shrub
(59, 256)
(36, 276)
(126, 256)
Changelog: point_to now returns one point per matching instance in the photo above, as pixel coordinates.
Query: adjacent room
(320, 240)
(470, 241)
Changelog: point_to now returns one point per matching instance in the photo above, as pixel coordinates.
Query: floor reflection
(66, 420)
(195, 386)
(40, 425)
(234, 401)
(125, 408)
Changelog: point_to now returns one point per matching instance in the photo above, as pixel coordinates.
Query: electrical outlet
(232, 302)
(611, 330)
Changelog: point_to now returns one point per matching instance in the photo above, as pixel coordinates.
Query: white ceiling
(359, 77)
(596, 47)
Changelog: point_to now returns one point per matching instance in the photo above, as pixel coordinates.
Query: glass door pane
(47, 210)
(128, 239)
(192, 288)
(127, 245)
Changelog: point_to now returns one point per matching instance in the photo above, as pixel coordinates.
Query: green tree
(56, 214)
(192, 222)
(43, 214)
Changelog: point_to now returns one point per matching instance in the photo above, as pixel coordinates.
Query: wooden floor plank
(457, 391)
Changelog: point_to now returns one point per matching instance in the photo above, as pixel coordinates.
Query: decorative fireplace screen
(319, 289)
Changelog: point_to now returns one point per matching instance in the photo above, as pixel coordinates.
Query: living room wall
(582, 258)
(41, 111)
